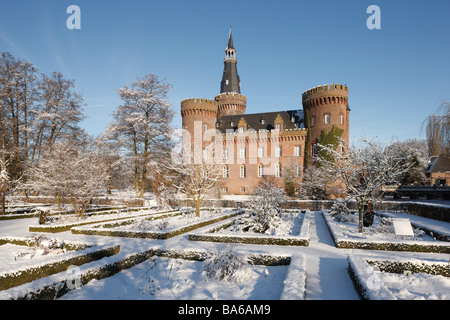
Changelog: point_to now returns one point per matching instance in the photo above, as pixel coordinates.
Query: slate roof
(440, 164)
(261, 121)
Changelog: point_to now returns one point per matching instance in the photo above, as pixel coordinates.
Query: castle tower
(199, 117)
(230, 101)
(327, 106)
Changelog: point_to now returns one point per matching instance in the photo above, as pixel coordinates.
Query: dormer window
(278, 127)
(232, 123)
(293, 119)
(241, 129)
(263, 121)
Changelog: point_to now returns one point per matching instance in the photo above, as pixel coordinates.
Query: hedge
(208, 235)
(55, 286)
(394, 245)
(24, 275)
(161, 235)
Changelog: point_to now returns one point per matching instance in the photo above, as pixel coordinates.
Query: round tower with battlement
(230, 103)
(199, 115)
(327, 106)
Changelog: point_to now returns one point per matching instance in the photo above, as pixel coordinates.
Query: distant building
(260, 144)
(438, 171)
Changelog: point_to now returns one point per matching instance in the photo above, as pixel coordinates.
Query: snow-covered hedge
(56, 285)
(56, 264)
(388, 245)
(62, 227)
(109, 229)
(209, 234)
(365, 272)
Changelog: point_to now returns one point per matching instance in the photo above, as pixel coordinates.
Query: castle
(260, 144)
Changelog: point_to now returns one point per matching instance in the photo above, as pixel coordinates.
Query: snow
(319, 271)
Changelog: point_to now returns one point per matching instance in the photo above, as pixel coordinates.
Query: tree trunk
(360, 209)
(3, 200)
(197, 207)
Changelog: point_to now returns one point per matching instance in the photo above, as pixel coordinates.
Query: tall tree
(18, 92)
(142, 125)
(364, 170)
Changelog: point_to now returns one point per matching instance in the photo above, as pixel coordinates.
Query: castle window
(278, 170)
(263, 121)
(227, 82)
(260, 152)
(314, 149)
(242, 153)
(313, 121)
(205, 127)
(297, 150)
(225, 189)
(225, 171)
(241, 129)
(242, 171)
(242, 189)
(232, 123)
(327, 119)
(278, 126)
(260, 171)
(341, 119)
(225, 153)
(278, 151)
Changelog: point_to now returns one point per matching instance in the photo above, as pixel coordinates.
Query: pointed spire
(230, 79)
(230, 41)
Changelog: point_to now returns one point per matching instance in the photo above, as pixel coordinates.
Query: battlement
(196, 100)
(326, 89)
(198, 106)
(230, 95)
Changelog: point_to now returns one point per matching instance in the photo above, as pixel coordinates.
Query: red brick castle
(260, 144)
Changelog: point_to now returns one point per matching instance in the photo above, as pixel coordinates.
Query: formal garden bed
(290, 228)
(187, 275)
(175, 274)
(387, 278)
(64, 222)
(159, 226)
(23, 260)
(379, 236)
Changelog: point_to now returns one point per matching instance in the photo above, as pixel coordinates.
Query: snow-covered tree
(69, 172)
(314, 183)
(363, 170)
(142, 125)
(195, 174)
(266, 202)
(4, 184)
(437, 127)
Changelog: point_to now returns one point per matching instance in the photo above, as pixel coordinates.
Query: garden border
(67, 226)
(150, 234)
(392, 245)
(364, 276)
(55, 285)
(22, 275)
(301, 240)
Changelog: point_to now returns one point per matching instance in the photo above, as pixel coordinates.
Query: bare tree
(437, 127)
(68, 171)
(142, 125)
(364, 170)
(195, 174)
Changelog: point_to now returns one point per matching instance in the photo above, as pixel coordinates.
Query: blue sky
(397, 75)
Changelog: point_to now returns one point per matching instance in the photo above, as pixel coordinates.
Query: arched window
(242, 171)
(278, 170)
(260, 171)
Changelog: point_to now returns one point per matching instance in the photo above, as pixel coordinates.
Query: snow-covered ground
(327, 271)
